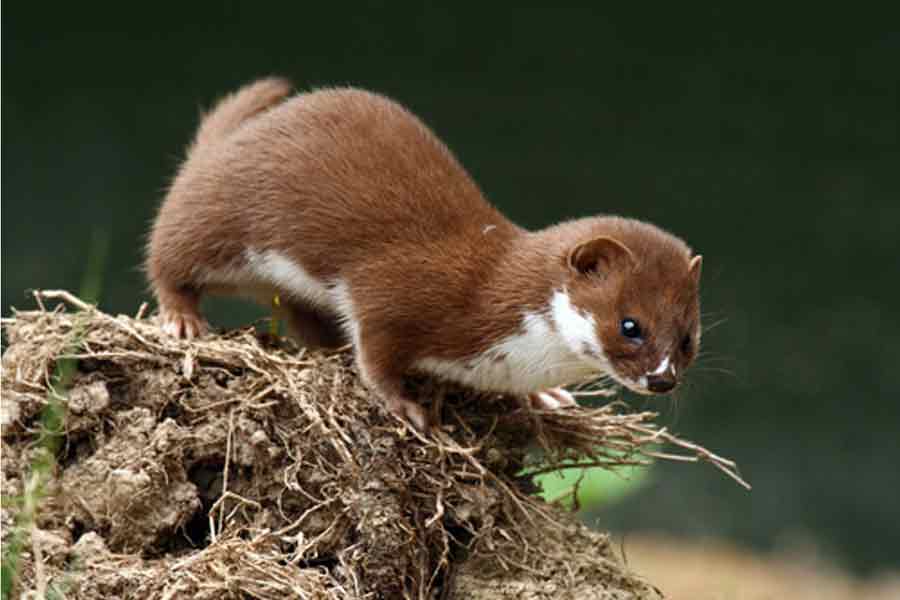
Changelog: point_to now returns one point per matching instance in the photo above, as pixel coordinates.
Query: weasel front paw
(551, 399)
(409, 411)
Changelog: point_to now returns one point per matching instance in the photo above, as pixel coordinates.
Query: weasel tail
(232, 110)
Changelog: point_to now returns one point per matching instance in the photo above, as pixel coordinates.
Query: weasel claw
(409, 411)
(182, 325)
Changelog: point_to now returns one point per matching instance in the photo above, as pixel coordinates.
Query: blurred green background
(768, 140)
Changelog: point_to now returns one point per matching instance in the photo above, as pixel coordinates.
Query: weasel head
(638, 288)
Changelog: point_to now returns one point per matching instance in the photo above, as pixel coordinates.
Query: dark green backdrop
(768, 140)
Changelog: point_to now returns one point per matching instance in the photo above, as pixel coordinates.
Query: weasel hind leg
(179, 310)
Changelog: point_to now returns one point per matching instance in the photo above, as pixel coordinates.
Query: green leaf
(597, 486)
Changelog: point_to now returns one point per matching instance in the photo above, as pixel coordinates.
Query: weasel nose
(660, 384)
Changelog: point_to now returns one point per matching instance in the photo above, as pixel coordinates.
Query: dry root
(226, 467)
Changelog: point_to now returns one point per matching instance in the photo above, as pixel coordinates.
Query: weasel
(368, 229)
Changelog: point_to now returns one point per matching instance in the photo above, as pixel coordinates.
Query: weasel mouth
(660, 385)
(647, 385)
(639, 386)
(661, 381)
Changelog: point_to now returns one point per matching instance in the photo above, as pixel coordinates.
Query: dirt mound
(238, 467)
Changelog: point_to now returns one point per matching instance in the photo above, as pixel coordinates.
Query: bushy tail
(237, 107)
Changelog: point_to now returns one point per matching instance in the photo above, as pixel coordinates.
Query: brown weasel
(359, 218)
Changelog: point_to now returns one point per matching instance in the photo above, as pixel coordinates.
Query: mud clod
(227, 468)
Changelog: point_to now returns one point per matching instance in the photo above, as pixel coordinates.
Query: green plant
(40, 473)
(52, 422)
(587, 488)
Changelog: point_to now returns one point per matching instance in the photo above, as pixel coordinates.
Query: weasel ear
(695, 267)
(600, 255)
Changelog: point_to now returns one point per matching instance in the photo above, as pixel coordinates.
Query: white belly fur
(263, 274)
(289, 277)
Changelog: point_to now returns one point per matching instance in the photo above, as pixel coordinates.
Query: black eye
(686, 344)
(630, 328)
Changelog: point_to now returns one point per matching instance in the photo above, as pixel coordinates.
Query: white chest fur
(553, 347)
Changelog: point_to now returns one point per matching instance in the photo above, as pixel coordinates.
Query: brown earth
(239, 467)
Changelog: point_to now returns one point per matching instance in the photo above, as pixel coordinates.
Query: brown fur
(355, 188)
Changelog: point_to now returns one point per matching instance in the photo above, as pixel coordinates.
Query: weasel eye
(630, 328)
(686, 344)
